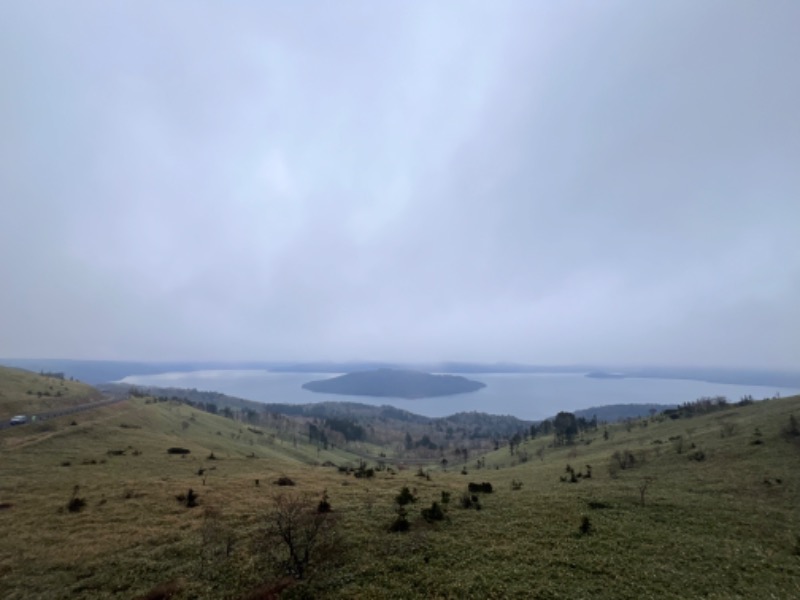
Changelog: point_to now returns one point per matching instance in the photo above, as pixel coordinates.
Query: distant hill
(392, 383)
(25, 392)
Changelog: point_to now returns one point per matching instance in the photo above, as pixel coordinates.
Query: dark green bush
(586, 527)
(405, 497)
(698, 455)
(189, 499)
(470, 501)
(434, 513)
(484, 487)
(324, 505)
(400, 524)
(176, 451)
(76, 504)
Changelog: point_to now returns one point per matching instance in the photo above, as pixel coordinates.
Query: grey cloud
(516, 181)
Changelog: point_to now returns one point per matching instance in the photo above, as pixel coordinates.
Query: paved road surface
(51, 414)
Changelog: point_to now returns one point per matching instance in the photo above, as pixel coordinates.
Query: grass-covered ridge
(674, 508)
(24, 392)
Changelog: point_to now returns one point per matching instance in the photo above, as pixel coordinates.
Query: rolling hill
(94, 506)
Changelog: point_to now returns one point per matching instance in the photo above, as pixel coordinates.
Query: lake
(524, 395)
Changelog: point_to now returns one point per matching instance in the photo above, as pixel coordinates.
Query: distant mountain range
(394, 383)
(104, 371)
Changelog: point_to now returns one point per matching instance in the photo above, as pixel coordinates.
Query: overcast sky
(546, 182)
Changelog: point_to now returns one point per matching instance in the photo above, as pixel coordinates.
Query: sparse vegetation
(405, 497)
(174, 450)
(296, 536)
(189, 499)
(485, 487)
(741, 501)
(75, 503)
(586, 527)
(434, 513)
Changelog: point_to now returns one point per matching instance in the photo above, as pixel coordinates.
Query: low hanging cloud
(520, 181)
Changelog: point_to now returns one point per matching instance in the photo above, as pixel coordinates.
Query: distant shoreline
(102, 371)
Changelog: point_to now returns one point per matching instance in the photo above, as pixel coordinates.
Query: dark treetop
(394, 383)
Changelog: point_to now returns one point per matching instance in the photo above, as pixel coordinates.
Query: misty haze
(399, 299)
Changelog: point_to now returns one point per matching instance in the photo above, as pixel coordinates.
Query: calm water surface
(524, 395)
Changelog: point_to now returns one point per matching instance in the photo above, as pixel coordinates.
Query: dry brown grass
(713, 528)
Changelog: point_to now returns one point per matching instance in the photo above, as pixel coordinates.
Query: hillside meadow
(704, 507)
(24, 392)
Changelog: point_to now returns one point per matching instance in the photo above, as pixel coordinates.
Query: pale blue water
(524, 395)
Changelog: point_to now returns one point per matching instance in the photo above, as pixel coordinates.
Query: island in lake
(394, 383)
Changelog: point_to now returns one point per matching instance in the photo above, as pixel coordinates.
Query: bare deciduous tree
(296, 535)
(645, 483)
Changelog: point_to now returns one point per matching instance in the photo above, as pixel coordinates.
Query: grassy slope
(709, 529)
(15, 399)
(132, 514)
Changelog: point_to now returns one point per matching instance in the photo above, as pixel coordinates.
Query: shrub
(76, 504)
(624, 459)
(434, 513)
(405, 497)
(792, 429)
(445, 497)
(470, 501)
(176, 450)
(283, 480)
(484, 487)
(363, 472)
(586, 527)
(324, 505)
(400, 524)
(698, 455)
(189, 499)
(516, 485)
(296, 536)
(727, 429)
